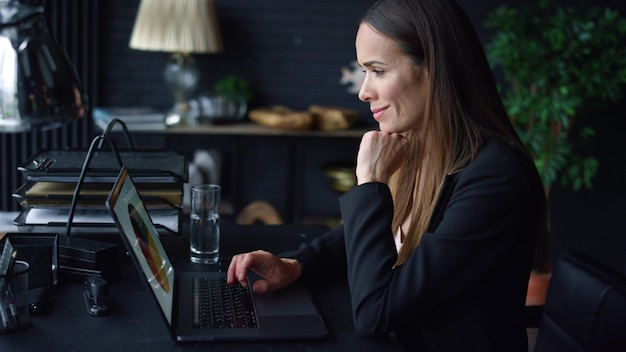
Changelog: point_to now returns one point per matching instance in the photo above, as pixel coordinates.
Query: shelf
(253, 129)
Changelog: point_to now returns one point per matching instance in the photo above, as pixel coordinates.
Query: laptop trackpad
(293, 300)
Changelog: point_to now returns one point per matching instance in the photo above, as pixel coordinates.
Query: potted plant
(556, 64)
(228, 101)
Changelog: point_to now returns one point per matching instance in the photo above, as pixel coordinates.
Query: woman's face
(394, 86)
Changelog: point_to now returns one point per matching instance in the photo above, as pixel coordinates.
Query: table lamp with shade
(40, 88)
(183, 28)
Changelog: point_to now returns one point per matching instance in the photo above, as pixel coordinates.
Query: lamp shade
(187, 26)
(40, 88)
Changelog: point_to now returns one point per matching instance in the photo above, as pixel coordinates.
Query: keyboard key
(218, 305)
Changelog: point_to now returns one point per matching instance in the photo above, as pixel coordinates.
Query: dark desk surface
(136, 325)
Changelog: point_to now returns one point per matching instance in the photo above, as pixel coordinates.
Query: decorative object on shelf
(259, 211)
(227, 102)
(204, 168)
(330, 118)
(40, 87)
(282, 117)
(182, 27)
(558, 64)
(341, 175)
(353, 77)
(325, 118)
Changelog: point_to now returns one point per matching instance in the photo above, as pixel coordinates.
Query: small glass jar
(214, 108)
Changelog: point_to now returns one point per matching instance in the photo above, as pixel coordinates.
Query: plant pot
(537, 288)
(222, 109)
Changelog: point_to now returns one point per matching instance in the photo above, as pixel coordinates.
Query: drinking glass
(204, 236)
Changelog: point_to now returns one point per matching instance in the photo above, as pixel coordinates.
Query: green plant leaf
(556, 61)
(233, 86)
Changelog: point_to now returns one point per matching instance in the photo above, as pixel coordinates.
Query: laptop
(182, 297)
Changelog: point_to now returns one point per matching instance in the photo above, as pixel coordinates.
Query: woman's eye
(376, 72)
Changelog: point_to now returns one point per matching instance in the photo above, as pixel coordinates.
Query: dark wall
(292, 52)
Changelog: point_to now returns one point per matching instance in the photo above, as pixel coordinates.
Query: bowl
(341, 176)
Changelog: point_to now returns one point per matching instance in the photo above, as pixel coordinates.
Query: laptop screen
(141, 236)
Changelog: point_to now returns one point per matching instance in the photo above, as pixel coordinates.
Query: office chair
(585, 307)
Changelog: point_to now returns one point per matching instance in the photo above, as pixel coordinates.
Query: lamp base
(181, 74)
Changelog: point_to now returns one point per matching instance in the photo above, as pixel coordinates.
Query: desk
(136, 325)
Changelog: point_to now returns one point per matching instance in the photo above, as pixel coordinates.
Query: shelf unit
(295, 145)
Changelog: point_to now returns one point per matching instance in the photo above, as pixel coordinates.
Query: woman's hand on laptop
(277, 273)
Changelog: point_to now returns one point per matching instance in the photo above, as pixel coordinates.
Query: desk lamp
(40, 88)
(181, 27)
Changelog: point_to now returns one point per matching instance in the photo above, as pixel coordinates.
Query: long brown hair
(463, 106)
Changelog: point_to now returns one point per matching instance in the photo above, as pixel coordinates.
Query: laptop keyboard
(218, 305)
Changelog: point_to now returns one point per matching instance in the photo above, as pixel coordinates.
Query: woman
(439, 235)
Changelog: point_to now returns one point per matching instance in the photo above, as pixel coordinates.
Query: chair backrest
(585, 307)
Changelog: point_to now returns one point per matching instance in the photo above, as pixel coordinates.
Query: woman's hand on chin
(380, 155)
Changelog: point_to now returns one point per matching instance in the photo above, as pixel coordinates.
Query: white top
(397, 237)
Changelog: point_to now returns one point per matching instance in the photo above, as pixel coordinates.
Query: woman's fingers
(276, 273)
(380, 155)
(240, 264)
(238, 269)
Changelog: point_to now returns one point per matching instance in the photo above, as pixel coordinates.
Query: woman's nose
(365, 93)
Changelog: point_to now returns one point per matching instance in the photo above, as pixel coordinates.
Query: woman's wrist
(294, 269)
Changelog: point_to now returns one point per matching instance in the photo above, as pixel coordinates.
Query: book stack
(135, 118)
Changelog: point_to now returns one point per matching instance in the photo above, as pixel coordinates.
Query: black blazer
(464, 286)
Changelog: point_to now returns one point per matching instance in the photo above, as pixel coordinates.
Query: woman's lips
(377, 113)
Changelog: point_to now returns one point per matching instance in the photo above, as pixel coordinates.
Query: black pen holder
(14, 301)
(40, 251)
